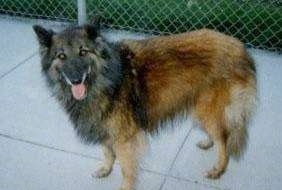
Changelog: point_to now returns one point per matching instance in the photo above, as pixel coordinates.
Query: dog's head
(74, 57)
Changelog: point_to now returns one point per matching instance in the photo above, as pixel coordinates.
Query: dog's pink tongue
(78, 91)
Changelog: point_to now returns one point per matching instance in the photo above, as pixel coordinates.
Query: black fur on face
(75, 55)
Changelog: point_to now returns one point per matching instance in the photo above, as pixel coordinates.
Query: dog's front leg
(107, 166)
(126, 155)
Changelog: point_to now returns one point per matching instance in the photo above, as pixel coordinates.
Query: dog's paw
(102, 172)
(205, 144)
(126, 188)
(214, 173)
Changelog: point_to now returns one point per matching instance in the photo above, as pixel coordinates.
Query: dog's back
(203, 72)
(179, 69)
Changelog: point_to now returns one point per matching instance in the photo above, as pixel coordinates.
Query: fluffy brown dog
(116, 93)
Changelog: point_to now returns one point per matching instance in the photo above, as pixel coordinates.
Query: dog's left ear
(125, 52)
(96, 21)
(93, 29)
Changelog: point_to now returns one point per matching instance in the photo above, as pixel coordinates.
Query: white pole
(81, 12)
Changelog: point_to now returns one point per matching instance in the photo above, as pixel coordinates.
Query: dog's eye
(61, 56)
(82, 52)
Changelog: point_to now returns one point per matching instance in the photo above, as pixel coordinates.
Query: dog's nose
(76, 81)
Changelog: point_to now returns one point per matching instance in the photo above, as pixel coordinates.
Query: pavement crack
(18, 65)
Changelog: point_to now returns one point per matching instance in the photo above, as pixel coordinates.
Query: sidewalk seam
(48, 147)
(18, 65)
(67, 152)
(175, 158)
(99, 159)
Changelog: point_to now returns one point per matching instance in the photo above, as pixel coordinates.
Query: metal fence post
(81, 12)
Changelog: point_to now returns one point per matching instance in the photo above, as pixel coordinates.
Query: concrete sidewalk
(40, 151)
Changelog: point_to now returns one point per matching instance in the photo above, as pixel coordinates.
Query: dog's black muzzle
(75, 71)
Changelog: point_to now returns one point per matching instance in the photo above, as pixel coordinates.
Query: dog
(117, 93)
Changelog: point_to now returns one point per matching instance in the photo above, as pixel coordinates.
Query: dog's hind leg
(209, 112)
(205, 144)
(218, 135)
(108, 163)
(220, 142)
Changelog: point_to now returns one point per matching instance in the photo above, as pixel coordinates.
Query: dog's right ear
(44, 36)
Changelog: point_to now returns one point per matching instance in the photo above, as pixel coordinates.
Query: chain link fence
(255, 22)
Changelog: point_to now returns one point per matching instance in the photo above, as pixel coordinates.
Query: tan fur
(110, 156)
(129, 142)
(203, 72)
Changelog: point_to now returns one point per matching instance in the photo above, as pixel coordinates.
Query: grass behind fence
(63, 10)
(257, 22)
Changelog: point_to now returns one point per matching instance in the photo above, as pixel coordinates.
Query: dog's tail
(239, 112)
(237, 141)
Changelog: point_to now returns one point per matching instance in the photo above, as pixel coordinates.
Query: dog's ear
(125, 52)
(96, 21)
(93, 29)
(44, 36)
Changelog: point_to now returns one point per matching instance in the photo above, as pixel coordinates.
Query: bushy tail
(237, 141)
(239, 112)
